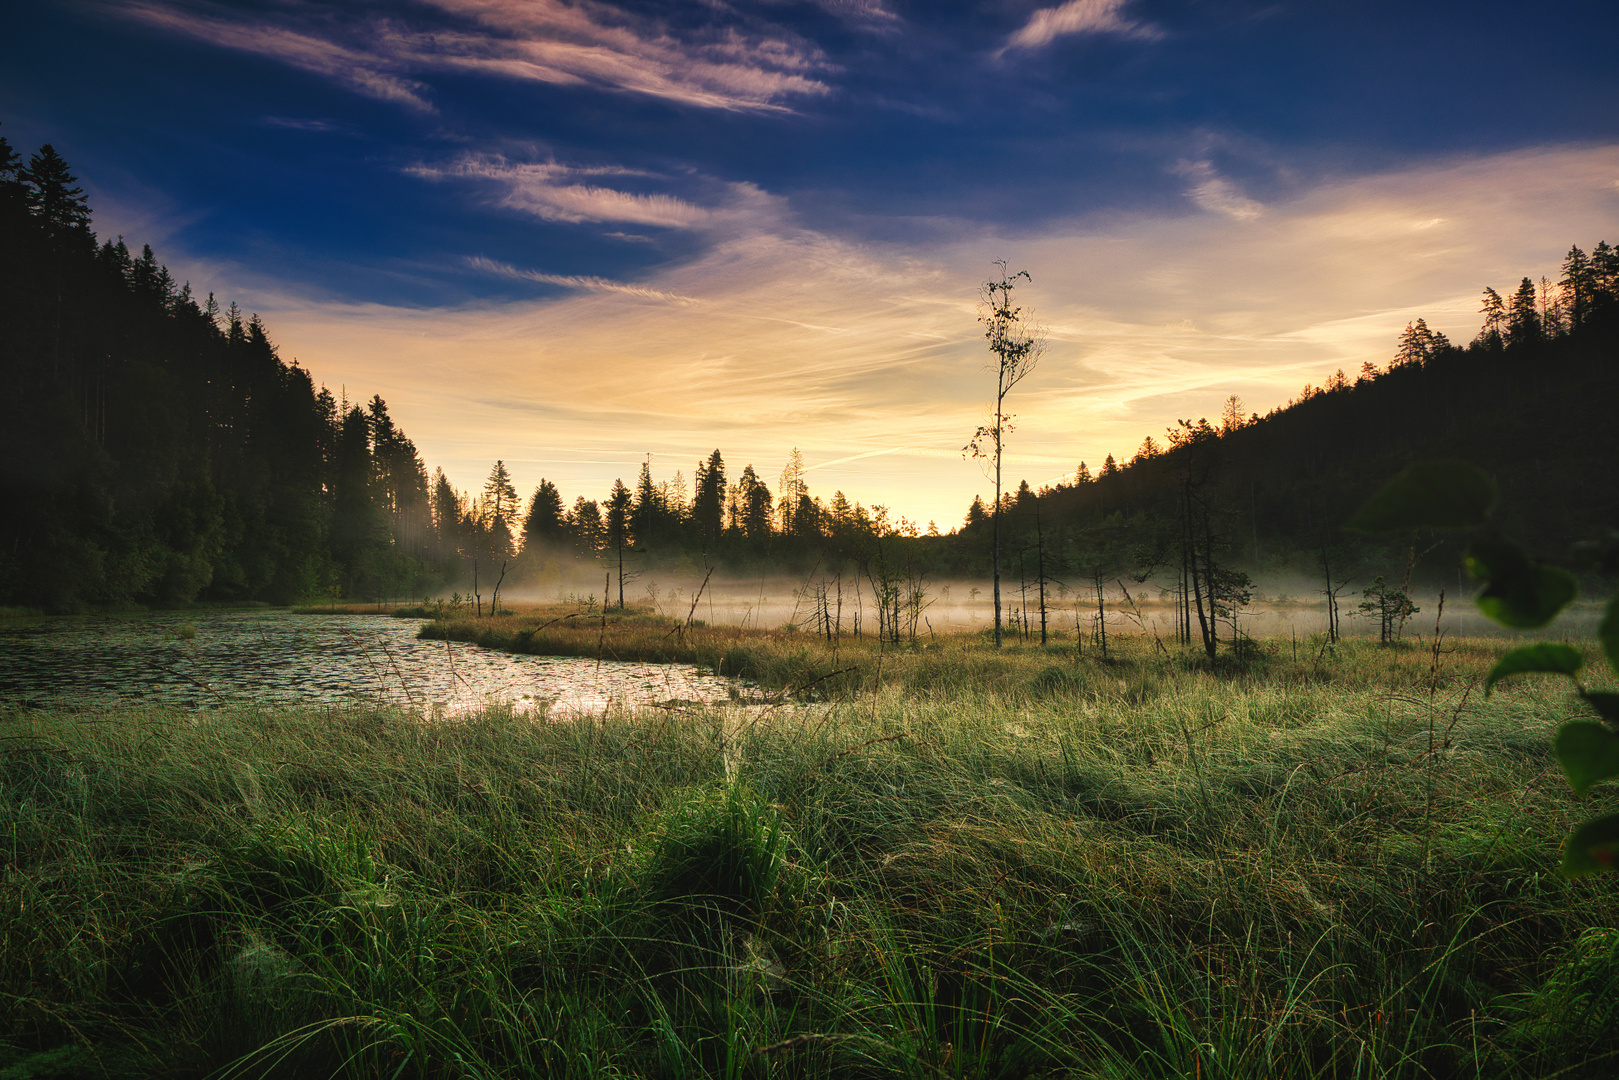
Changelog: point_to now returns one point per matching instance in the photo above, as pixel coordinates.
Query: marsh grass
(1019, 864)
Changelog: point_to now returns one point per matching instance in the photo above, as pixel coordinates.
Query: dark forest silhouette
(158, 450)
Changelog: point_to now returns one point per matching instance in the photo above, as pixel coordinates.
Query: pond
(215, 659)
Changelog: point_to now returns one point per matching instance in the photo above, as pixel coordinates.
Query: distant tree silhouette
(620, 507)
(708, 502)
(1523, 316)
(57, 202)
(1579, 286)
(1490, 336)
(544, 525)
(755, 506)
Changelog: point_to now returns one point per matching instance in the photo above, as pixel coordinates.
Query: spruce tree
(544, 525)
(57, 202)
(1523, 317)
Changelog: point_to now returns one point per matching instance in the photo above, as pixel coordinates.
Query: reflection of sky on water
(271, 658)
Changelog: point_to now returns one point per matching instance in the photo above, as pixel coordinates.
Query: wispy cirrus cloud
(588, 44)
(360, 68)
(1077, 17)
(868, 14)
(1215, 193)
(555, 192)
(582, 282)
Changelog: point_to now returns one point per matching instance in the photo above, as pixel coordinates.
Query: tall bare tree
(1016, 343)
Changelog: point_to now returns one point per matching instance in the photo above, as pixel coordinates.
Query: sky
(576, 235)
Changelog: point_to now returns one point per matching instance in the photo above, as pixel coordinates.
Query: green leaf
(1608, 633)
(1446, 494)
(1518, 591)
(1605, 702)
(1593, 847)
(1588, 752)
(1543, 656)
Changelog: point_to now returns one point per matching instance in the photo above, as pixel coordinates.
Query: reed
(1336, 866)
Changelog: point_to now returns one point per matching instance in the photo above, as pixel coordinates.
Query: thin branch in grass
(862, 746)
(798, 1042)
(790, 689)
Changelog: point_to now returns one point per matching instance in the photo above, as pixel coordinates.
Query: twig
(862, 746)
(804, 1039)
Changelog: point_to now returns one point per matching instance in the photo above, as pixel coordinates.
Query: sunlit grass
(974, 864)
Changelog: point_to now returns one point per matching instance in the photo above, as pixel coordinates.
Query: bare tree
(1017, 345)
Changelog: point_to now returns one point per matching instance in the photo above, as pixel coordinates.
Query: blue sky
(570, 235)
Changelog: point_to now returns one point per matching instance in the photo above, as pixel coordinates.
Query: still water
(274, 658)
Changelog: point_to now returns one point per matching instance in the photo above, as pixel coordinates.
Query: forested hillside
(158, 450)
(1532, 400)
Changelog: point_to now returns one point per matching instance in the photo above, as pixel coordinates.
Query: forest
(160, 452)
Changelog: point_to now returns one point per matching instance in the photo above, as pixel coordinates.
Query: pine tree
(499, 497)
(649, 514)
(544, 525)
(1605, 274)
(620, 505)
(1578, 284)
(586, 528)
(1523, 316)
(1231, 415)
(708, 502)
(56, 201)
(1495, 319)
(790, 491)
(755, 504)
(13, 188)
(1416, 345)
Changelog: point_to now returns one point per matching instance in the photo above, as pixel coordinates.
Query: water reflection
(273, 658)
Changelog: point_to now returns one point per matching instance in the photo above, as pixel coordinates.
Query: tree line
(1193, 518)
(159, 450)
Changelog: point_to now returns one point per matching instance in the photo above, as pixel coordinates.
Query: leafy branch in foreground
(1525, 595)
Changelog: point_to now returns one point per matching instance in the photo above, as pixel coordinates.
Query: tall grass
(1019, 864)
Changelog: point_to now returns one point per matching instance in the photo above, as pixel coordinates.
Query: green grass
(976, 865)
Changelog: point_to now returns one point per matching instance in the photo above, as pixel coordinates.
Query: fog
(1282, 607)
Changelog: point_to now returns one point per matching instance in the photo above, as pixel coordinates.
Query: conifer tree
(56, 201)
(1495, 319)
(1523, 316)
(708, 502)
(620, 505)
(544, 525)
(1578, 284)
(499, 497)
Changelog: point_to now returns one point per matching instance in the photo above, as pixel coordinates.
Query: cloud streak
(551, 192)
(359, 69)
(585, 282)
(1215, 193)
(1077, 17)
(587, 44)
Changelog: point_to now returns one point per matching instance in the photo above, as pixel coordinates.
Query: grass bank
(1340, 866)
(810, 666)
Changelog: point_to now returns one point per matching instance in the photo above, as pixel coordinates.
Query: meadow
(928, 860)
